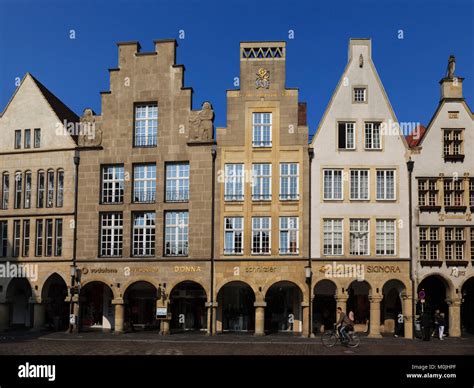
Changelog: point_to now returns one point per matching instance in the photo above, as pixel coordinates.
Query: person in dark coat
(426, 323)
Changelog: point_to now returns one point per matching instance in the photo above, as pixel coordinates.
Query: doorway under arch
(97, 311)
(236, 310)
(188, 307)
(19, 293)
(54, 295)
(283, 310)
(140, 305)
(324, 305)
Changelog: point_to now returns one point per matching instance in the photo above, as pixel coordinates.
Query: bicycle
(331, 337)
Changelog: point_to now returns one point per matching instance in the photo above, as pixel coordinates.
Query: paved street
(151, 343)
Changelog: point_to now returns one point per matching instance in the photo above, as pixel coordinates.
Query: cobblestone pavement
(151, 343)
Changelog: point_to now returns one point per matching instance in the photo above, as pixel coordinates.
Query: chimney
(360, 49)
(451, 85)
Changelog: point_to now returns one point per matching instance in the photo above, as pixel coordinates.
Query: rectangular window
(452, 142)
(234, 182)
(49, 238)
(385, 184)
(144, 183)
(453, 192)
(27, 138)
(262, 129)
(427, 192)
(261, 235)
(359, 184)
(177, 182)
(472, 243)
(289, 177)
(332, 184)
(50, 193)
(3, 238)
(176, 233)
(18, 189)
(5, 190)
(262, 182)
(26, 238)
(111, 234)
(146, 125)
(333, 237)
(27, 200)
(359, 237)
(233, 236)
(289, 244)
(429, 243)
(16, 238)
(360, 94)
(144, 234)
(41, 189)
(58, 244)
(37, 138)
(372, 136)
(385, 237)
(346, 136)
(454, 243)
(471, 192)
(113, 185)
(18, 139)
(60, 189)
(39, 238)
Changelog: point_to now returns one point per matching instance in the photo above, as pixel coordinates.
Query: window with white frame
(359, 237)
(146, 125)
(39, 238)
(48, 238)
(26, 238)
(360, 94)
(289, 176)
(177, 182)
(332, 184)
(41, 189)
(3, 238)
(359, 184)
(333, 237)
(176, 233)
(60, 189)
(234, 182)
(452, 142)
(18, 189)
(289, 244)
(261, 235)
(50, 191)
(385, 184)
(111, 234)
(454, 243)
(261, 129)
(261, 182)
(58, 237)
(385, 237)
(346, 135)
(233, 235)
(5, 190)
(372, 136)
(429, 243)
(16, 238)
(144, 183)
(112, 184)
(144, 234)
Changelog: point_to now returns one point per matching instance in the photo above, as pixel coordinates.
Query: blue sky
(35, 37)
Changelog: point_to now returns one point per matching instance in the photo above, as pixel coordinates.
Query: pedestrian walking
(441, 325)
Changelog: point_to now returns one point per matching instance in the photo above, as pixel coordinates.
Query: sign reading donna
(14, 270)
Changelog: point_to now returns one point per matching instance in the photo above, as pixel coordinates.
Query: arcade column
(374, 324)
(454, 317)
(119, 315)
(39, 313)
(260, 318)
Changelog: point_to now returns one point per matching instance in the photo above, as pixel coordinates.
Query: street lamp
(308, 274)
(72, 318)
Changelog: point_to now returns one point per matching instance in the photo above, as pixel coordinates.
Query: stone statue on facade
(361, 61)
(201, 123)
(89, 134)
(451, 67)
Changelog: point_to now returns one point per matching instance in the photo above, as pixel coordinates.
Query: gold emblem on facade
(263, 78)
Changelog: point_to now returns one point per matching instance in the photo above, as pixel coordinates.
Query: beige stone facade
(255, 268)
(37, 149)
(131, 279)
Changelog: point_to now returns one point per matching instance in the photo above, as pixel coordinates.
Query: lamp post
(308, 272)
(72, 318)
(410, 166)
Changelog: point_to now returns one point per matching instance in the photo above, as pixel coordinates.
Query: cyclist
(343, 324)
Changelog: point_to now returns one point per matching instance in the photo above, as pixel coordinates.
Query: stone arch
(18, 294)
(359, 293)
(188, 306)
(131, 282)
(467, 306)
(96, 309)
(177, 282)
(324, 307)
(301, 287)
(259, 295)
(53, 297)
(450, 289)
(140, 298)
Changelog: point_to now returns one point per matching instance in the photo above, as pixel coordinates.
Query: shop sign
(187, 268)
(260, 268)
(161, 312)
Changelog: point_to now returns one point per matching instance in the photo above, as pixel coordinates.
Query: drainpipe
(213, 185)
(410, 165)
(310, 282)
(77, 161)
